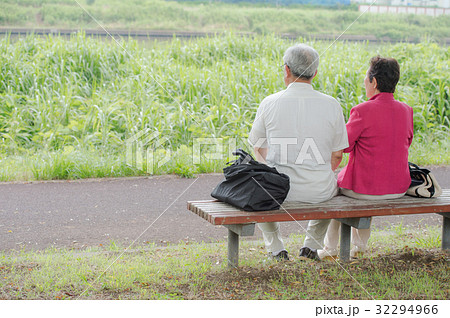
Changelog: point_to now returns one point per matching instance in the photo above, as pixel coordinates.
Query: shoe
(308, 253)
(357, 252)
(327, 255)
(282, 256)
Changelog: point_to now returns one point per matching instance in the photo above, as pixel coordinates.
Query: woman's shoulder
(374, 104)
(364, 106)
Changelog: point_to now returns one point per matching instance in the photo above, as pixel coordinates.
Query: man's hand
(336, 158)
(260, 154)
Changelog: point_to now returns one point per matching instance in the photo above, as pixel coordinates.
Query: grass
(218, 17)
(79, 164)
(401, 264)
(68, 106)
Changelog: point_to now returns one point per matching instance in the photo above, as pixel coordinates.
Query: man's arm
(336, 158)
(261, 154)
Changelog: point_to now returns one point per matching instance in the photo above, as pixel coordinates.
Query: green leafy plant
(67, 106)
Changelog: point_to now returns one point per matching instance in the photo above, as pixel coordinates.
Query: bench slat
(220, 213)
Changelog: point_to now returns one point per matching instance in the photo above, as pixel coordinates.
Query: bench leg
(234, 231)
(446, 231)
(346, 227)
(344, 252)
(233, 249)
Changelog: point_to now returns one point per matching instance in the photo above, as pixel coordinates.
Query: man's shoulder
(269, 100)
(326, 97)
(317, 95)
(274, 96)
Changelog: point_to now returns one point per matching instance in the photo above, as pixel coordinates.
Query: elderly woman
(380, 132)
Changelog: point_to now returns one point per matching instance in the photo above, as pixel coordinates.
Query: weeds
(218, 17)
(67, 106)
(393, 268)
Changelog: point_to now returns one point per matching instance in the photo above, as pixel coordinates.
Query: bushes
(83, 93)
(219, 17)
(58, 92)
(12, 15)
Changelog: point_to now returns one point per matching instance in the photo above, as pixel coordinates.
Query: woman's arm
(354, 129)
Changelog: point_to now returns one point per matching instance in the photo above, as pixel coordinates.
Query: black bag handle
(244, 157)
(415, 168)
(413, 165)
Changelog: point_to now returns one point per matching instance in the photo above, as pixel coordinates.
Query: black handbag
(423, 183)
(252, 186)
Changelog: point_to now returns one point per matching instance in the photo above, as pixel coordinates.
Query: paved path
(37, 215)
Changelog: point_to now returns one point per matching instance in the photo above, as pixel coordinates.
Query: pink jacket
(380, 132)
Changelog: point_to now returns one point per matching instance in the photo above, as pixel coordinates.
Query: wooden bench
(350, 212)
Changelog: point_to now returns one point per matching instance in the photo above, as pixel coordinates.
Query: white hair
(302, 60)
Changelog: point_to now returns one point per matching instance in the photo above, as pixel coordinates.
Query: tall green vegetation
(67, 106)
(218, 17)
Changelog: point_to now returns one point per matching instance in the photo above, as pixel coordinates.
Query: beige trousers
(272, 237)
(315, 233)
(360, 237)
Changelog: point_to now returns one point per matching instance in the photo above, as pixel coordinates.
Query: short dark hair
(387, 72)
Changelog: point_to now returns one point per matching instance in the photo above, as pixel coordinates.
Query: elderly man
(302, 133)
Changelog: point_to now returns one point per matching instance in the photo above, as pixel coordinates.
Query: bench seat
(350, 212)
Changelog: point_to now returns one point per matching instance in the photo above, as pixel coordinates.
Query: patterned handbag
(423, 183)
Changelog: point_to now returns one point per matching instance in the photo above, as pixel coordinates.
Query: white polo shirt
(301, 127)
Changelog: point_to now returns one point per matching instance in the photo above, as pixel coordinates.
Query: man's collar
(300, 85)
